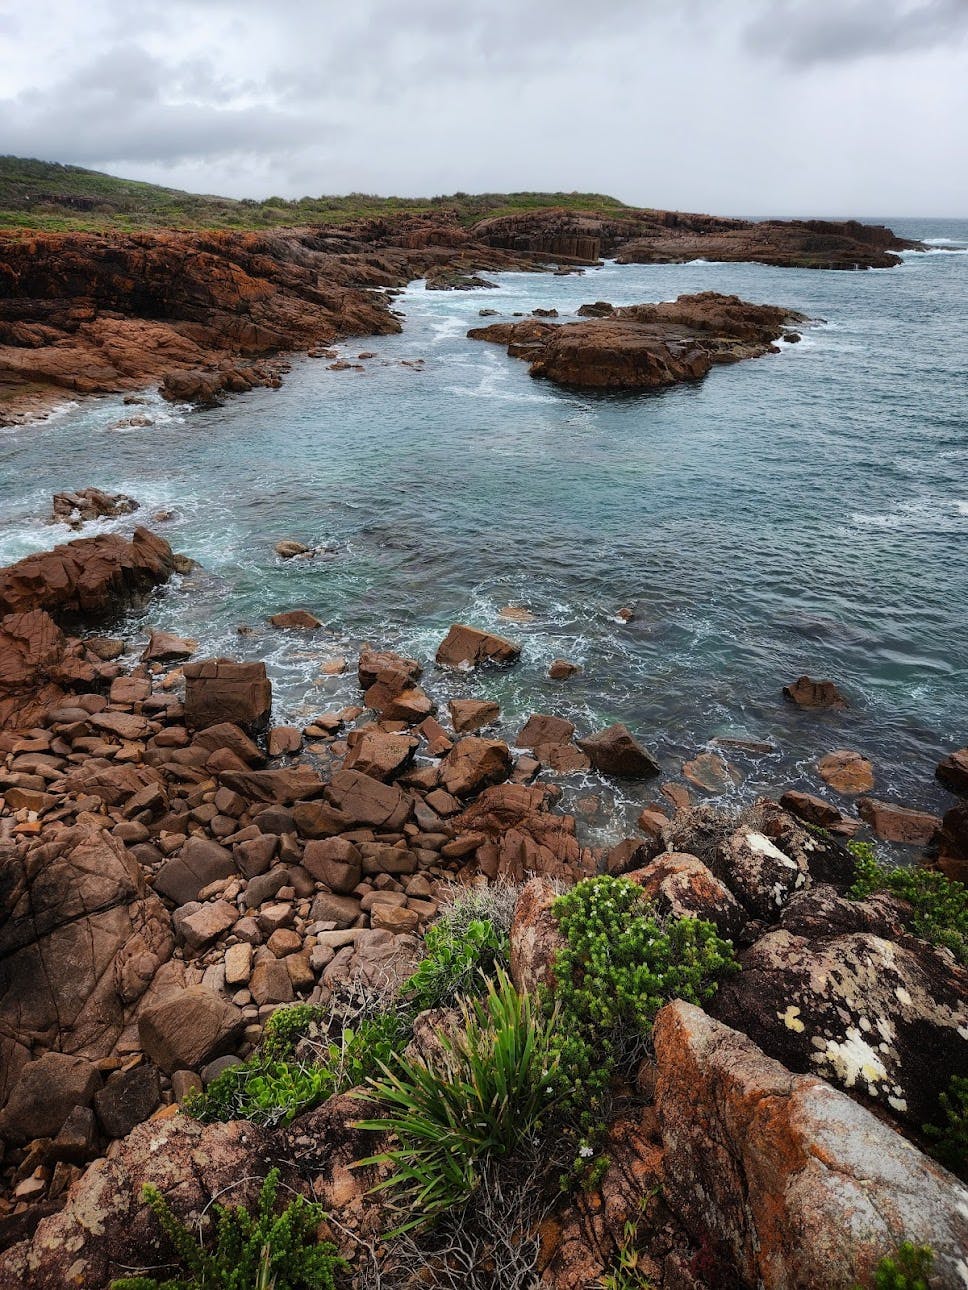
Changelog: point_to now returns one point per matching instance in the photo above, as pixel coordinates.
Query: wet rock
(90, 577)
(189, 1028)
(952, 772)
(46, 1092)
(614, 751)
(289, 548)
(682, 887)
(541, 729)
(560, 669)
(898, 823)
(882, 1020)
(218, 691)
(710, 772)
(810, 694)
(375, 663)
(296, 620)
(74, 509)
(846, 772)
(473, 764)
(795, 1184)
(283, 741)
(165, 647)
(814, 810)
(468, 715)
(468, 647)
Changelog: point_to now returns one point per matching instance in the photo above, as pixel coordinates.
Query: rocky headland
(177, 867)
(205, 314)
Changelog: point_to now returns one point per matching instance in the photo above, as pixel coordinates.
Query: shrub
(620, 964)
(907, 1269)
(951, 1137)
(455, 961)
(249, 1252)
(940, 904)
(490, 1087)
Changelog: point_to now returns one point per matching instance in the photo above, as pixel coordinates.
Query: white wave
(925, 514)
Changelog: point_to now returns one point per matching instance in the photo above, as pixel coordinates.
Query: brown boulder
(81, 940)
(468, 647)
(363, 800)
(217, 691)
(378, 754)
(846, 771)
(541, 729)
(46, 1092)
(282, 787)
(189, 1028)
(809, 694)
(898, 823)
(681, 886)
(74, 509)
(165, 647)
(473, 763)
(615, 752)
(536, 938)
(38, 666)
(468, 715)
(521, 837)
(88, 578)
(200, 862)
(560, 669)
(296, 619)
(711, 772)
(791, 1183)
(336, 862)
(374, 663)
(952, 772)
(814, 810)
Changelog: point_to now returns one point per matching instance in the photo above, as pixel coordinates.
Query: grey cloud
(807, 32)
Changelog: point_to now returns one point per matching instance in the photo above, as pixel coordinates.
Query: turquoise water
(805, 512)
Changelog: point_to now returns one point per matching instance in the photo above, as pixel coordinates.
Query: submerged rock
(615, 751)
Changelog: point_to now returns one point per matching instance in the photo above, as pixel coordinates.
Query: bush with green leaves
(456, 961)
(907, 1269)
(620, 963)
(261, 1251)
(940, 904)
(950, 1138)
(489, 1088)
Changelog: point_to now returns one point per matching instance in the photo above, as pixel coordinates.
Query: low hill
(54, 197)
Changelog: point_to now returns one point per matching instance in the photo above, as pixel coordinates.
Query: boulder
(335, 861)
(540, 729)
(468, 715)
(791, 1183)
(89, 578)
(362, 800)
(76, 508)
(127, 1099)
(473, 763)
(39, 665)
(895, 823)
(81, 940)
(296, 620)
(760, 875)
(165, 647)
(45, 1093)
(614, 751)
(814, 810)
(375, 663)
(681, 886)
(189, 1028)
(106, 1228)
(378, 754)
(952, 772)
(560, 669)
(518, 836)
(810, 695)
(846, 772)
(217, 691)
(883, 1020)
(468, 647)
(710, 772)
(230, 737)
(200, 862)
(280, 787)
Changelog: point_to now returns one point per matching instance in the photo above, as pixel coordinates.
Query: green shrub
(940, 904)
(489, 1088)
(249, 1252)
(620, 964)
(455, 961)
(907, 1269)
(951, 1137)
(286, 1027)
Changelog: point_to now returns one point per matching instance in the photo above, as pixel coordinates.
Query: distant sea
(805, 512)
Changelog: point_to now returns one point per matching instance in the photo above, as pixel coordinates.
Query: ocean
(803, 512)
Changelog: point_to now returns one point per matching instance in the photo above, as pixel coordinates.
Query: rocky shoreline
(204, 315)
(176, 868)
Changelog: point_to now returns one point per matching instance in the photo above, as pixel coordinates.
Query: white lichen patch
(903, 996)
(852, 1059)
(761, 845)
(791, 1019)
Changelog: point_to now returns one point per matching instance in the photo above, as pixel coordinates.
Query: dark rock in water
(809, 694)
(289, 548)
(952, 772)
(792, 337)
(561, 669)
(788, 1180)
(600, 309)
(545, 313)
(614, 751)
(814, 810)
(455, 280)
(296, 619)
(74, 509)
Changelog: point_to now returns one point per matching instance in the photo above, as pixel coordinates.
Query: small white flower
(586, 1153)
(549, 1091)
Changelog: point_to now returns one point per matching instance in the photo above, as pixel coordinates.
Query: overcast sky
(733, 106)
